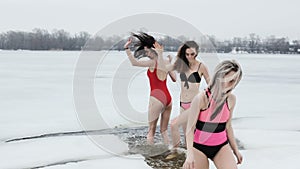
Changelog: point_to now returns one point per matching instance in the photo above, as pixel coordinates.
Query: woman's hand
(170, 58)
(189, 162)
(239, 157)
(128, 43)
(158, 48)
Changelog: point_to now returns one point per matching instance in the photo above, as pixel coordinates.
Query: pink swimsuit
(185, 105)
(210, 135)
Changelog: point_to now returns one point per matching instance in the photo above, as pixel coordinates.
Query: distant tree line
(40, 39)
(255, 44)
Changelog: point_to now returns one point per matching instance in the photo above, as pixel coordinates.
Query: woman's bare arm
(231, 104)
(169, 67)
(204, 72)
(197, 104)
(133, 60)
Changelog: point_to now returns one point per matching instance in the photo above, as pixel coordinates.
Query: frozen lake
(37, 99)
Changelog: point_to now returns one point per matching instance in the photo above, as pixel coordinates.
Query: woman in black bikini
(191, 71)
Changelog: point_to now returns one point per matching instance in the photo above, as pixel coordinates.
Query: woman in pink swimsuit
(209, 131)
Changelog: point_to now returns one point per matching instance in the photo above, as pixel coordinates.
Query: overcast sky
(222, 18)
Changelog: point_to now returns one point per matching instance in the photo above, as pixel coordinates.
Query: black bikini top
(193, 78)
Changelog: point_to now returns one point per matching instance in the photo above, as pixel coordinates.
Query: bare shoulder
(201, 99)
(202, 66)
(231, 101)
(232, 97)
(202, 69)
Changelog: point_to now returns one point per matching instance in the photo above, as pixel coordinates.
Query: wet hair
(218, 92)
(144, 40)
(182, 64)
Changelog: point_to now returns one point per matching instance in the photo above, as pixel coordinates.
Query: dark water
(155, 155)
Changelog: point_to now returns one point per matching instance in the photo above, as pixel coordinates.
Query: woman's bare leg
(164, 122)
(201, 160)
(155, 108)
(225, 159)
(175, 123)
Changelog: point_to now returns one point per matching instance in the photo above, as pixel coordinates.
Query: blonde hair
(218, 92)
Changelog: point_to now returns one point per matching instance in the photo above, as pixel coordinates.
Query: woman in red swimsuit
(160, 102)
(209, 131)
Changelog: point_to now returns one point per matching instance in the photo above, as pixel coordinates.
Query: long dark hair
(144, 40)
(182, 64)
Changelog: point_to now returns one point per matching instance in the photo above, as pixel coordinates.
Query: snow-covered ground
(37, 99)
